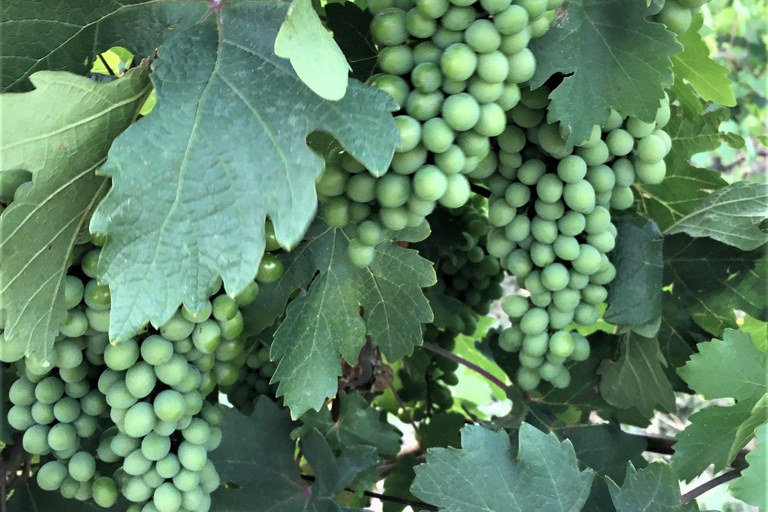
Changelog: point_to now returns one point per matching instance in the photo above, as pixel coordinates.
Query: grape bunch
(131, 418)
(677, 15)
(254, 378)
(550, 208)
(454, 69)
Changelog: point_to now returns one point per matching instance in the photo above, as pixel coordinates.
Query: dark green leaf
(677, 337)
(69, 39)
(398, 483)
(228, 144)
(637, 379)
(483, 475)
(326, 321)
(634, 297)
(652, 488)
(351, 27)
(613, 58)
(442, 430)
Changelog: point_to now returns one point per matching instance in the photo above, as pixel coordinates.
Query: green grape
(451, 161)
(20, 417)
(544, 231)
(272, 245)
(653, 174)
(192, 456)
(559, 319)
(566, 247)
(528, 379)
(492, 69)
(397, 60)
(603, 242)
(75, 324)
(527, 117)
(82, 466)
(376, 6)
(517, 195)
(542, 255)
(223, 308)
(555, 277)
(10, 181)
(331, 182)
(458, 17)
(136, 490)
(650, 149)
(197, 432)
(597, 221)
(531, 172)
(665, 139)
(561, 344)
(22, 392)
(418, 25)
(207, 309)
(473, 145)
(432, 8)
(549, 371)
(594, 294)
(168, 466)
(461, 111)
(511, 339)
(140, 419)
(76, 374)
(136, 464)
(119, 396)
(51, 475)
(388, 27)
(155, 447)
(482, 36)
(97, 296)
(68, 354)
(613, 122)
(513, 44)
(270, 268)
(409, 162)
(191, 500)
(393, 85)
(121, 356)
(572, 169)
(594, 154)
(603, 277)
(394, 219)
(66, 410)
(549, 188)
(549, 139)
(639, 129)
(500, 213)
(619, 142)
(622, 198)
(444, 38)
(359, 254)
(534, 320)
(423, 106)
(522, 65)
(512, 20)
(457, 192)
(437, 135)
(535, 345)
(588, 261)
(515, 306)
(585, 314)
(425, 77)
(420, 207)
(69, 487)
(510, 96)
(186, 480)
(156, 350)
(491, 121)
(393, 190)
(207, 336)
(458, 62)
(601, 178)
(676, 17)
(49, 390)
(580, 347)
(140, 380)
(169, 405)
(73, 291)
(518, 229)
(663, 114)
(123, 444)
(579, 196)
(494, 6)
(429, 183)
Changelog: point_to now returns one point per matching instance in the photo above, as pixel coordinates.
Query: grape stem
(384, 497)
(462, 361)
(481, 191)
(709, 485)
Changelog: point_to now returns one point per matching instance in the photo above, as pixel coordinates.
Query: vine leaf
(69, 39)
(634, 297)
(325, 321)
(716, 434)
(358, 424)
(484, 474)
(751, 486)
(637, 378)
(351, 28)
(693, 64)
(224, 147)
(652, 488)
(713, 279)
(257, 454)
(70, 122)
(612, 58)
(731, 215)
(314, 54)
(685, 186)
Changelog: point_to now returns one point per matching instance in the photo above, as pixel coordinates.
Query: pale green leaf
(313, 52)
(751, 486)
(60, 132)
(652, 488)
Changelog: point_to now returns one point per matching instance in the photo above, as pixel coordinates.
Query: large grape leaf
(224, 147)
(637, 379)
(634, 297)
(314, 54)
(685, 186)
(678, 335)
(612, 56)
(751, 486)
(693, 64)
(69, 39)
(484, 475)
(732, 215)
(717, 433)
(357, 424)
(605, 449)
(61, 132)
(714, 279)
(652, 488)
(343, 305)
(257, 455)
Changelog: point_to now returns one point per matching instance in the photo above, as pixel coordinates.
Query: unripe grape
(432, 8)
(522, 66)
(458, 17)
(620, 142)
(527, 378)
(392, 85)
(388, 27)
(511, 20)
(482, 36)
(437, 135)
(458, 62)
(534, 321)
(652, 174)
(650, 149)
(579, 196)
(418, 25)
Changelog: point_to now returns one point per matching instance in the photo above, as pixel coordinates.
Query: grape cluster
(677, 15)
(13, 185)
(550, 208)
(454, 69)
(254, 378)
(132, 418)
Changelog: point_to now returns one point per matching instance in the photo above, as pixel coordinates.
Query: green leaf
(227, 141)
(693, 64)
(740, 368)
(398, 483)
(484, 475)
(613, 58)
(606, 449)
(714, 279)
(634, 297)
(710, 438)
(69, 124)
(69, 39)
(257, 454)
(690, 103)
(326, 321)
(678, 335)
(731, 215)
(684, 186)
(351, 28)
(314, 55)
(751, 486)
(652, 488)
(358, 424)
(757, 329)
(442, 430)
(29, 497)
(637, 378)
